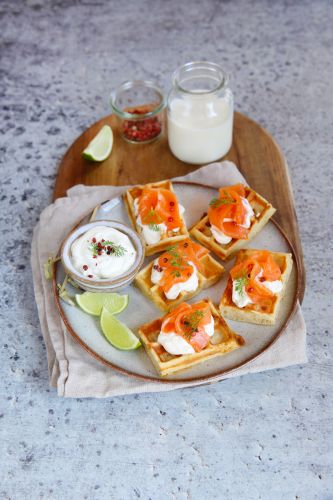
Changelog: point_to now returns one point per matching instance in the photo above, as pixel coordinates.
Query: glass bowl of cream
(102, 256)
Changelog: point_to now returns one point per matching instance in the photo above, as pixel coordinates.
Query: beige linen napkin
(71, 369)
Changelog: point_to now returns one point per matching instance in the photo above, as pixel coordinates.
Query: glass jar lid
(200, 77)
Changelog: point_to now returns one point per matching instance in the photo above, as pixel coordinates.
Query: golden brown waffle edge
(167, 364)
(263, 212)
(211, 271)
(168, 239)
(254, 313)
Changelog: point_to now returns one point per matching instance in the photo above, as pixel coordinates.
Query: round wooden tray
(254, 151)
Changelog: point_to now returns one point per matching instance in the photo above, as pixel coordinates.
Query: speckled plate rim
(213, 377)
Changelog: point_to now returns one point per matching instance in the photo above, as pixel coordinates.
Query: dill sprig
(116, 250)
(192, 322)
(240, 284)
(176, 273)
(226, 200)
(178, 262)
(154, 227)
(152, 214)
(48, 267)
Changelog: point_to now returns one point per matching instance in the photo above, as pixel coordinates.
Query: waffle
(210, 272)
(263, 212)
(255, 313)
(225, 340)
(167, 239)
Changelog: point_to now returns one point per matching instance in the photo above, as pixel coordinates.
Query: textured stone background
(260, 436)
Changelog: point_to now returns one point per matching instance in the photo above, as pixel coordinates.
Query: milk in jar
(200, 113)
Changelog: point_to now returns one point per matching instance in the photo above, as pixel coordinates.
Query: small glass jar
(139, 105)
(200, 113)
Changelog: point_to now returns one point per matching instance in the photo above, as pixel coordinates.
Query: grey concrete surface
(264, 436)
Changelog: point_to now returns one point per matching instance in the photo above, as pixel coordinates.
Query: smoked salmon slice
(228, 212)
(157, 206)
(189, 322)
(175, 263)
(253, 271)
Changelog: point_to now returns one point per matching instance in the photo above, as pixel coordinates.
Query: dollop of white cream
(175, 344)
(273, 286)
(102, 266)
(181, 209)
(153, 236)
(209, 329)
(220, 236)
(249, 213)
(189, 285)
(241, 299)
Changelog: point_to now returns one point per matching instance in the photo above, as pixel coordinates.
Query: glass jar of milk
(200, 113)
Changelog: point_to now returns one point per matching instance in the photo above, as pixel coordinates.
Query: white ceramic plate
(86, 330)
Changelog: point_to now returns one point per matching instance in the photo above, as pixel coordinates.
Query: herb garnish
(240, 284)
(191, 322)
(152, 214)
(116, 250)
(153, 219)
(48, 267)
(177, 261)
(176, 273)
(226, 200)
(154, 227)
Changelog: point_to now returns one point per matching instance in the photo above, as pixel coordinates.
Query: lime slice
(92, 303)
(100, 147)
(118, 334)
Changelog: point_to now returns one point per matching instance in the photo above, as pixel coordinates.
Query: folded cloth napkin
(71, 369)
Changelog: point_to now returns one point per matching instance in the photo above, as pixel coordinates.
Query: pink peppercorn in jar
(139, 105)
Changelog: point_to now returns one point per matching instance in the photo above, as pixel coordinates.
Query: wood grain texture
(254, 151)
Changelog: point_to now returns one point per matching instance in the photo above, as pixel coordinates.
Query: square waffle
(263, 211)
(210, 272)
(170, 238)
(224, 341)
(255, 313)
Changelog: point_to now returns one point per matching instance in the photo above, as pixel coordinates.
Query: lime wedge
(92, 303)
(118, 334)
(100, 147)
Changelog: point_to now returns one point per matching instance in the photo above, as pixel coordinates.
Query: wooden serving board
(254, 151)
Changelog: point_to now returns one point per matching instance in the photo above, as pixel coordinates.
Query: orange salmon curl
(229, 205)
(175, 262)
(157, 206)
(189, 321)
(250, 269)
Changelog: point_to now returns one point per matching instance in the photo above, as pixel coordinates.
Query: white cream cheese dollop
(102, 266)
(221, 237)
(242, 299)
(153, 236)
(189, 285)
(273, 286)
(176, 345)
